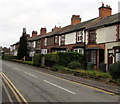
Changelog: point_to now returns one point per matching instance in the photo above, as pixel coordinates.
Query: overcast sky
(34, 14)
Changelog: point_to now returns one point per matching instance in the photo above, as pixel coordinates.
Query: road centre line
(59, 87)
(81, 84)
(17, 68)
(7, 64)
(30, 74)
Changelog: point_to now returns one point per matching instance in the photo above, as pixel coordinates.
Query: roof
(15, 44)
(58, 31)
(68, 29)
(107, 21)
(83, 25)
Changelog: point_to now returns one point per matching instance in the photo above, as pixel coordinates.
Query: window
(38, 43)
(56, 39)
(79, 36)
(92, 37)
(62, 40)
(93, 57)
(45, 42)
(78, 50)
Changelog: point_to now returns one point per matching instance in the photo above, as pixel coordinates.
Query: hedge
(51, 59)
(63, 58)
(115, 70)
(8, 57)
(83, 73)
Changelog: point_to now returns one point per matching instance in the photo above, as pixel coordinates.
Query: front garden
(71, 63)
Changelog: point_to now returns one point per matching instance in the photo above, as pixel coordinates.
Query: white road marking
(17, 68)
(59, 87)
(30, 74)
(8, 65)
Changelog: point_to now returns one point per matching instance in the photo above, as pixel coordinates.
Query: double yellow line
(20, 99)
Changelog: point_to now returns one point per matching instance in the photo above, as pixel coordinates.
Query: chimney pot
(105, 11)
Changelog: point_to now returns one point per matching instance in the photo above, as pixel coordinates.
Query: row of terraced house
(97, 39)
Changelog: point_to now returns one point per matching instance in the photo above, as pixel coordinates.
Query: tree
(22, 49)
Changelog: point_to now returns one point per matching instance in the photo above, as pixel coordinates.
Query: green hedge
(63, 58)
(74, 65)
(37, 59)
(8, 57)
(51, 59)
(115, 70)
(66, 57)
(83, 73)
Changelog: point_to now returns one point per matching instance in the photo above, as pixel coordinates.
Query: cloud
(34, 14)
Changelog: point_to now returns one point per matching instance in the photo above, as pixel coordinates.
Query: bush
(74, 65)
(9, 57)
(37, 59)
(62, 58)
(28, 62)
(66, 57)
(92, 74)
(57, 67)
(115, 70)
(51, 59)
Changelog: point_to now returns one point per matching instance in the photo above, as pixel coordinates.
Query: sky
(34, 14)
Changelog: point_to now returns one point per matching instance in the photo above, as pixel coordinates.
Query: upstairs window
(45, 42)
(79, 36)
(38, 43)
(62, 40)
(92, 37)
(56, 39)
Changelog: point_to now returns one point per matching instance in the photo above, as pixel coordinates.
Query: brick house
(102, 38)
(95, 38)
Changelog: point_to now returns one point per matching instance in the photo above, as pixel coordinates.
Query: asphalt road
(36, 86)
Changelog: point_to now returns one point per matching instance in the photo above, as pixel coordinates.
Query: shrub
(92, 74)
(28, 62)
(66, 57)
(74, 65)
(57, 67)
(37, 59)
(51, 59)
(115, 70)
(9, 57)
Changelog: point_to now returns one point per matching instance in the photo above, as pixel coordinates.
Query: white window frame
(80, 36)
(78, 50)
(62, 39)
(56, 39)
(45, 42)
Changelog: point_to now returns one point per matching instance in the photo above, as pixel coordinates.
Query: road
(37, 86)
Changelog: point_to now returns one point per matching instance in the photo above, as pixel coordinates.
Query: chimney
(28, 36)
(34, 33)
(105, 11)
(75, 19)
(56, 28)
(43, 31)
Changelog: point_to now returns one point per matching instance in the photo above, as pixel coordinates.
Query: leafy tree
(23, 49)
